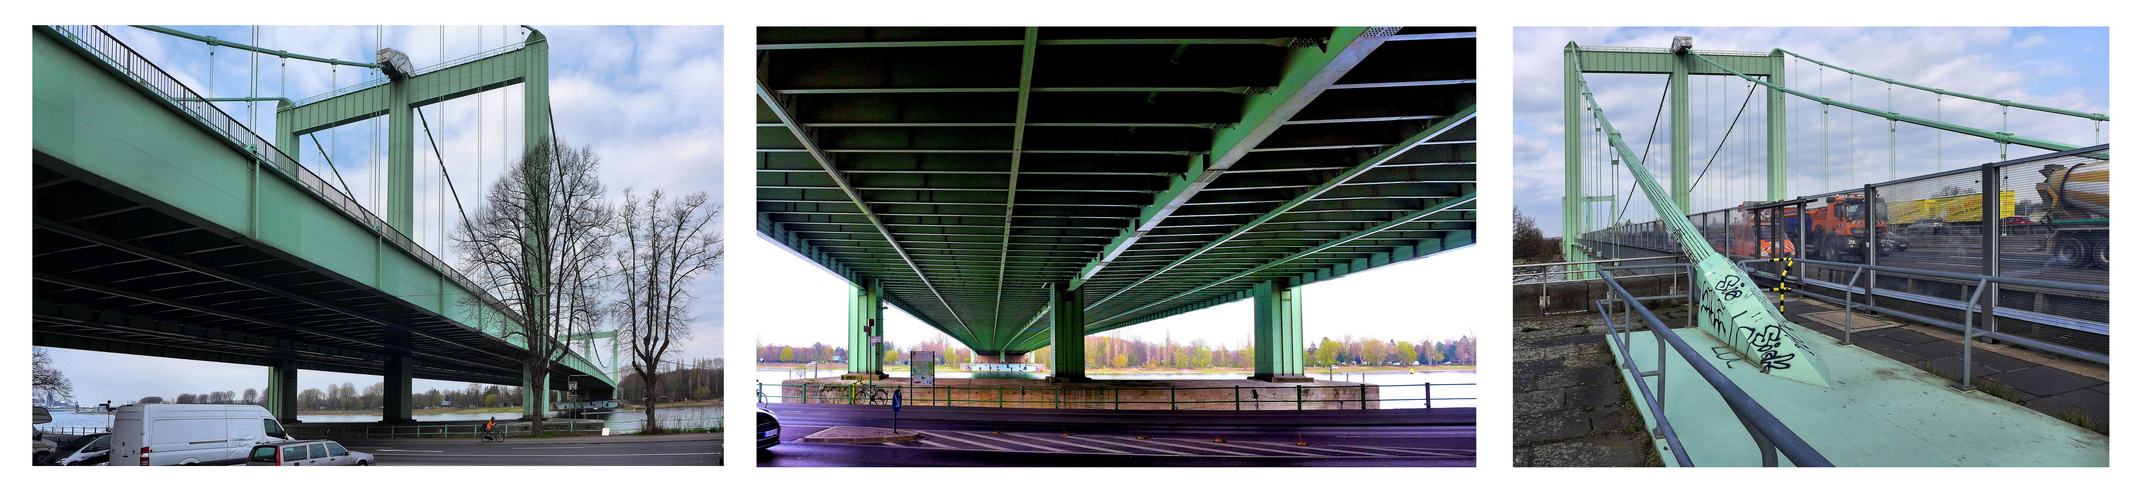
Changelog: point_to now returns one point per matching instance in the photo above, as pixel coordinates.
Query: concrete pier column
(1068, 334)
(867, 318)
(282, 395)
(395, 406)
(1277, 332)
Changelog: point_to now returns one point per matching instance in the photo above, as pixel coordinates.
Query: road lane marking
(590, 455)
(985, 445)
(549, 448)
(1196, 450)
(408, 451)
(1009, 441)
(1054, 441)
(1268, 450)
(1130, 445)
(1410, 451)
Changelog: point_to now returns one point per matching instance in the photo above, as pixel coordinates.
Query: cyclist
(491, 428)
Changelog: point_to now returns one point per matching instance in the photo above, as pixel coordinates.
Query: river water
(1398, 389)
(628, 420)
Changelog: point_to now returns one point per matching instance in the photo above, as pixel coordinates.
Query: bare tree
(44, 377)
(666, 246)
(539, 243)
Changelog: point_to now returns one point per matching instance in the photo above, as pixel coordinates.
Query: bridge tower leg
(867, 318)
(1277, 332)
(282, 396)
(1776, 187)
(1068, 335)
(395, 405)
(1574, 193)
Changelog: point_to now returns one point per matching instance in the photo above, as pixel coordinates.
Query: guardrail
(1178, 398)
(1966, 324)
(1773, 437)
(119, 57)
(421, 430)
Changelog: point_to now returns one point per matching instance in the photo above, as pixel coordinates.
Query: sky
(795, 302)
(647, 100)
(2064, 68)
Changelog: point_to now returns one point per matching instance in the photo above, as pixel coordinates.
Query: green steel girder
(1306, 74)
(209, 203)
(929, 183)
(1990, 100)
(528, 65)
(213, 41)
(1999, 137)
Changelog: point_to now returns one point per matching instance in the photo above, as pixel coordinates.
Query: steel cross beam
(811, 147)
(1012, 183)
(213, 41)
(1310, 71)
(1427, 136)
(1277, 42)
(1404, 219)
(1999, 137)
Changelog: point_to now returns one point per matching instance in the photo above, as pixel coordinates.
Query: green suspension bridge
(164, 226)
(1020, 188)
(2006, 243)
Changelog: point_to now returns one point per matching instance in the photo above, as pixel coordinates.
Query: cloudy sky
(2064, 68)
(647, 100)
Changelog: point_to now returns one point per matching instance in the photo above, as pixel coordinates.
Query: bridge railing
(1233, 397)
(126, 61)
(2045, 220)
(1774, 439)
(511, 429)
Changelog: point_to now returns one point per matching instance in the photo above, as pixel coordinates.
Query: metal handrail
(442, 430)
(847, 394)
(1764, 428)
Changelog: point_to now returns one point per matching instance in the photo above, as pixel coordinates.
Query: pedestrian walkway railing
(511, 429)
(1774, 439)
(1965, 325)
(1540, 276)
(72, 430)
(1233, 397)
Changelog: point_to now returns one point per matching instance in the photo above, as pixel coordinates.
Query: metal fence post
(1991, 223)
(1426, 395)
(1966, 344)
(1299, 397)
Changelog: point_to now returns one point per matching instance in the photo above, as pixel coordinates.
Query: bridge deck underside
(113, 273)
(996, 178)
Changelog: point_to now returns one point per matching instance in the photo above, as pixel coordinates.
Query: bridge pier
(395, 404)
(1068, 335)
(1277, 332)
(867, 311)
(282, 396)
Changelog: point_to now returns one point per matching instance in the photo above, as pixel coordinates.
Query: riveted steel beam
(856, 198)
(1309, 71)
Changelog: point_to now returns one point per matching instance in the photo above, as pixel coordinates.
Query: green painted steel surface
(107, 127)
(1277, 327)
(1882, 413)
(1068, 331)
(867, 318)
(1730, 306)
(1155, 179)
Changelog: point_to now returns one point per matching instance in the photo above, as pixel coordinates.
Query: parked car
(93, 449)
(39, 446)
(313, 452)
(770, 429)
(2015, 220)
(175, 434)
(1892, 243)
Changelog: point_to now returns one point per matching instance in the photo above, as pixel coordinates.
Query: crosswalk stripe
(1198, 448)
(1291, 452)
(1130, 445)
(1409, 451)
(944, 434)
(1104, 450)
(1020, 443)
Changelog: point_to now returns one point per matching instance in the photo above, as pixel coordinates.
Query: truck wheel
(2071, 252)
(2100, 253)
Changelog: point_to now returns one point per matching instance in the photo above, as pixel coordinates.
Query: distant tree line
(1111, 352)
(1529, 245)
(696, 381)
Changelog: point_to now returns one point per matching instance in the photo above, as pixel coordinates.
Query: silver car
(312, 452)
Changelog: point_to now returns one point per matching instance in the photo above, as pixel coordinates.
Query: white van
(173, 434)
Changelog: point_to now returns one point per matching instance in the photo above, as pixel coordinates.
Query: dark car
(2013, 220)
(93, 449)
(770, 429)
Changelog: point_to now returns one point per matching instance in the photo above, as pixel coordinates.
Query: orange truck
(1757, 235)
(1838, 228)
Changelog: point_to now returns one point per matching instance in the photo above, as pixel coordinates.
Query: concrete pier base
(1092, 394)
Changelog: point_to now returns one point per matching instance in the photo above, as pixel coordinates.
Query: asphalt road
(691, 449)
(1238, 441)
